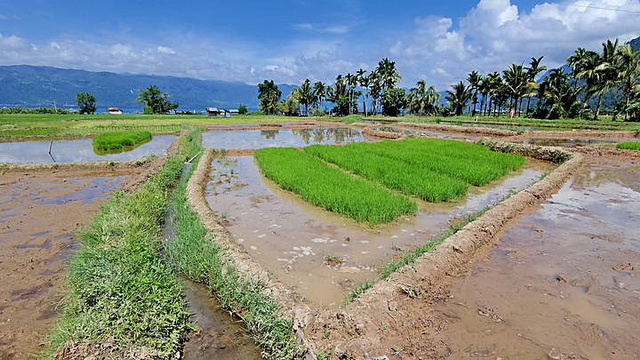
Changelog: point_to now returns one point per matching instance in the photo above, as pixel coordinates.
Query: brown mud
(563, 283)
(40, 213)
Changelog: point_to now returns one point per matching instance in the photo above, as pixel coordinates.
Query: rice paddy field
(429, 169)
(327, 219)
(631, 145)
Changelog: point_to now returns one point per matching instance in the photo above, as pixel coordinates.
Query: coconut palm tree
(458, 97)
(363, 82)
(474, 79)
(515, 81)
(304, 96)
(628, 69)
(422, 100)
(532, 72)
(388, 73)
(319, 93)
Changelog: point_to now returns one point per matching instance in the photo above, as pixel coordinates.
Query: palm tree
(600, 73)
(422, 100)
(474, 79)
(319, 92)
(458, 97)
(352, 81)
(628, 68)
(515, 81)
(375, 90)
(305, 95)
(364, 82)
(559, 97)
(493, 85)
(532, 72)
(389, 75)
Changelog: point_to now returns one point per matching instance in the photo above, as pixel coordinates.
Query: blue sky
(290, 40)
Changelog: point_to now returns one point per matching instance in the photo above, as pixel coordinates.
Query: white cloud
(323, 29)
(496, 33)
(165, 50)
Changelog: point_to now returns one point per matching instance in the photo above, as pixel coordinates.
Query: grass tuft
(632, 145)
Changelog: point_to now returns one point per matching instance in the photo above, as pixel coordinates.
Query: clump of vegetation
(86, 103)
(120, 290)
(407, 178)
(632, 145)
(38, 110)
(331, 188)
(155, 101)
(118, 140)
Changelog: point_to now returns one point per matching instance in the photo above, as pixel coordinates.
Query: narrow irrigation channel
(217, 334)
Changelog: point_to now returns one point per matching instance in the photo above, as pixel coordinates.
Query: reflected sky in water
(256, 139)
(75, 150)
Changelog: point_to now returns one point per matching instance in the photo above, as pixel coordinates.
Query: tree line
(155, 101)
(576, 89)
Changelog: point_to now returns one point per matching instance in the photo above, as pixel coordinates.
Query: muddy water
(321, 254)
(75, 150)
(255, 139)
(40, 214)
(218, 334)
(564, 283)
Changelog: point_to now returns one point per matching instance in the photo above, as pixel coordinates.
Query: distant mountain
(24, 85)
(635, 44)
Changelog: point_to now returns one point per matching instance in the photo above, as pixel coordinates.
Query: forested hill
(24, 85)
(635, 43)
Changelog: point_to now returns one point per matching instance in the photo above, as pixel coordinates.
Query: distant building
(114, 111)
(214, 111)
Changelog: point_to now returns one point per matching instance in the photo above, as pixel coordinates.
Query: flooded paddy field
(562, 283)
(75, 150)
(40, 215)
(320, 254)
(570, 143)
(256, 139)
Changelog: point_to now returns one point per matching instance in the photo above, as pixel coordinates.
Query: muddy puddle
(320, 254)
(564, 282)
(256, 139)
(75, 150)
(40, 214)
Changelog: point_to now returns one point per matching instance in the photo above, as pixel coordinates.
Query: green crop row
(118, 140)
(398, 175)
(331, 188)
(474, 164)
(632, 145)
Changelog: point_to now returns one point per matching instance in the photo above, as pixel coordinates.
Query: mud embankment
(461, 129)
(375, 133)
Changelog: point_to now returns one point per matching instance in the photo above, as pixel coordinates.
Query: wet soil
(322, 255)
(563, 283)
(40, 214)
(75, 151)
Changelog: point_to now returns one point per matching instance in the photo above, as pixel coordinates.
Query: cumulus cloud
(495, 33)
(442, 50)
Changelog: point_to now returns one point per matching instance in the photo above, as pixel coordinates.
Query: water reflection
(255, 139)
(75, 150)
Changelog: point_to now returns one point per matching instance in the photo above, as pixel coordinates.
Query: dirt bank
(573, 134)
(40, 213)
(373, 132)
(461, 129)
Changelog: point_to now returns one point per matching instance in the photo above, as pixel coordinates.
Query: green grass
(201, 260)
(118, 140)
(632, 145)
(119, 288)
(407, 178)
(474, 164)
(331, 188)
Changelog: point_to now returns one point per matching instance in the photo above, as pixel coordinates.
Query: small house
(114, 111)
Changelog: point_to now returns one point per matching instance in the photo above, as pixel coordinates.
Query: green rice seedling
(459, 161)
(118, 140)
(632, 145)
(398, 175)
(331, 188)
